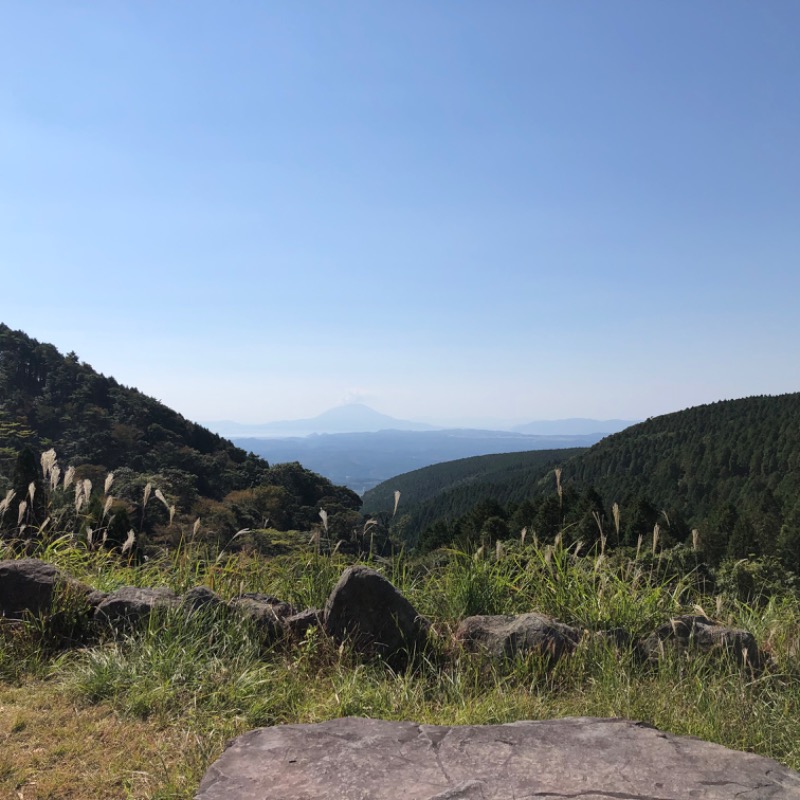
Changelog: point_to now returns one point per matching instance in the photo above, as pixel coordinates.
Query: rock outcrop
(266, 612)
(701, 634)
(591, 759)
(367, 611)
(504, 636)
(129, 606)
(29, 585)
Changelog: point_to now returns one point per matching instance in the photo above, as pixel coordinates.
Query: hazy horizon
(487, 423)
(450, 211)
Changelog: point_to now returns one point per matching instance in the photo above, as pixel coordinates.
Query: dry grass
(52, 749)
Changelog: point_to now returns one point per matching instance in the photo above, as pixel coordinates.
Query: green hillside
(444, 492)
(49, 400)
(729, 471)
(732, 451)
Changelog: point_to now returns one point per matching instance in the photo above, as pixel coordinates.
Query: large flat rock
(580, 757)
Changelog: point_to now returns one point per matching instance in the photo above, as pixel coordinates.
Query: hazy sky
(445, 209)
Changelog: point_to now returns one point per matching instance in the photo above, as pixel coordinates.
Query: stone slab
(586, 758)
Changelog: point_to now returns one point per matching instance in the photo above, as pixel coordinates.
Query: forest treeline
(723, 478)
(445, 492)
(97, 426)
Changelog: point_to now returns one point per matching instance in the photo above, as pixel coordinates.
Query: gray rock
(299, 624)
(201, 598)
(701, 634)
(266, 612)
(30, 585)
(591, 759)
(130, 606)
(504, 637)
(367, 611)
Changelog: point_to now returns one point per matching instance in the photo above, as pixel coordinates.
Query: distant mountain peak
(347, 418)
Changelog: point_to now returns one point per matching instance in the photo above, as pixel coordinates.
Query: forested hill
(444, 492)
(730, 470)
(95, 424)
(742, 453)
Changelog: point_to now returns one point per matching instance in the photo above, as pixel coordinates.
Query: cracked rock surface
(579, 757)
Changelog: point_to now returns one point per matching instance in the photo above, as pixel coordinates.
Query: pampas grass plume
(396, 501)
(131, 538)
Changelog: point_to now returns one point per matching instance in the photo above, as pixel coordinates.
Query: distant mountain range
(363, 460)
(360, 418)
(359, 447)
(350, 418)
(574, 426)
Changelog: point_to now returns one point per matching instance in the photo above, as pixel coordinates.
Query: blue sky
(449, 210)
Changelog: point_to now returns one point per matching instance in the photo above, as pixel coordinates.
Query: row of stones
(363, 609)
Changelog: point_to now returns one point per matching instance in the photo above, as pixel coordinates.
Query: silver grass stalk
(90, 537)
(107, 505)
(522, 534)
(87, 489)
(23, 507)
(695, 539)
(147, 490)
(48, 461)
(78, 495)
(323, 515)
(195, 527)
(559, 490)
(172, 515)
(396, 501)
(656, 532)
(108, 483)
(69, 476)
(615, 514)
(6, 502)
(55, 475)
(44, 525)
(638, 547)
(160, 496)
(31, 491)
(498, 550)
(128, 544)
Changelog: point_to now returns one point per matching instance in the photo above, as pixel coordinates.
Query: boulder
(299, 624)
(702, 634)
(266, 611)
(504, 637)
(368, 612)
(30, 585)
(591, 759)
(201, 598)
(130, 606)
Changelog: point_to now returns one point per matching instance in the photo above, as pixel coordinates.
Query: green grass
(202, 679)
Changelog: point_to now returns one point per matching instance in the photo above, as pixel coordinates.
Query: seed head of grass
(396, 501)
